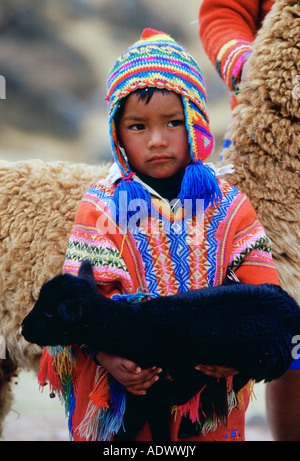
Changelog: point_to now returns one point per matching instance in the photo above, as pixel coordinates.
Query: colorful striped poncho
(170, 253)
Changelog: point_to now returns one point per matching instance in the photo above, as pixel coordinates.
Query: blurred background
(55, 56)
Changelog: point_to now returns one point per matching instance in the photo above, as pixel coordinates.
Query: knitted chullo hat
(156, 60)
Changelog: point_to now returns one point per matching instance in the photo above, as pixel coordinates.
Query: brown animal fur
(38, 202)
(266, 138)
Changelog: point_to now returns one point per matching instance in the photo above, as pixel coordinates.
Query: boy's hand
(217, 371)
(244, 81)
(128, 373)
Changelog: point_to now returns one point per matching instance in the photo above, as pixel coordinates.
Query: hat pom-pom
(132, 202)
(200, 182)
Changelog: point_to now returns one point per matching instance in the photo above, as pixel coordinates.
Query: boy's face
(154, 135)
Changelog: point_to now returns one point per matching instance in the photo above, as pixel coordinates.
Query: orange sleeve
(227, 29)
(256, 275)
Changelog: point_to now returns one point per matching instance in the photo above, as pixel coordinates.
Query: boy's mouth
(159, 159)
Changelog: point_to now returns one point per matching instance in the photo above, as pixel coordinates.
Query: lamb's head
(61, 310)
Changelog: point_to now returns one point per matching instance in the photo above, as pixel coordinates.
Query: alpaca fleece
(247, 327)
(38, 202)
(266, 138)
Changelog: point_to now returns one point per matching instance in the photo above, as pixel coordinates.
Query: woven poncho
(228, 236)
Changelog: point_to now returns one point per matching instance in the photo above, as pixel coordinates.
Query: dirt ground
(36, 417)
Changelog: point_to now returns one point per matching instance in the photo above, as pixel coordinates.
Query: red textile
(220, 22)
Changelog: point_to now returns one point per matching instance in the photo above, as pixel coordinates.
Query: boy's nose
(157, 138)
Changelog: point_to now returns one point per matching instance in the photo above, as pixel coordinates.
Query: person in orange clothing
(227, 29)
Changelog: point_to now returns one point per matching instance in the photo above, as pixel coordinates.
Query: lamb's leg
(159, 423)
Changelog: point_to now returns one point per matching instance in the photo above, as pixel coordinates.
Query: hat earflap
(199, 181)
(129, 196)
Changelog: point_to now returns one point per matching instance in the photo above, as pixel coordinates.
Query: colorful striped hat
(156, 60)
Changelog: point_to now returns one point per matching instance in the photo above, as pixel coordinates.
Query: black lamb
(247, 327)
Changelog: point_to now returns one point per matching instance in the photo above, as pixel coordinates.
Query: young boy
(161, 223)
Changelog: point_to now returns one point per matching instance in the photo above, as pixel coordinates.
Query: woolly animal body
(38, 202)
(266, 138)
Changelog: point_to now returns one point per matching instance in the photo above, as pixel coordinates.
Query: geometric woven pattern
(175, 254)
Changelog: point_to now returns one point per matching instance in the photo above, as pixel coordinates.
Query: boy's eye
(137, 127)
(174, 123)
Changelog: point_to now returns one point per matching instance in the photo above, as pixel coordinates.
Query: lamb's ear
(86, 271)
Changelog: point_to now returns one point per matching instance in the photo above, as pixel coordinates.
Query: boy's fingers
(145, 376)
(134, 391)
(141, 389)
(131, 367)
(143, 380)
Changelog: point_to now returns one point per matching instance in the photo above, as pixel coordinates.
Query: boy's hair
(144, 94)
(157, 61)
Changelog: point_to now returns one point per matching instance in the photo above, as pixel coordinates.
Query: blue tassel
(134, 298)
(130, 198)
(200, 182)
(111, 420)
(72, 403)
(118, 399)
